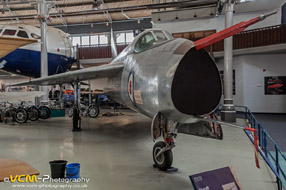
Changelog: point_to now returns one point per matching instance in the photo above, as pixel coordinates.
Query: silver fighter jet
(170, 80)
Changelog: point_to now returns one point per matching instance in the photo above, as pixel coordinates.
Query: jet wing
(76, 76)
(8, 44)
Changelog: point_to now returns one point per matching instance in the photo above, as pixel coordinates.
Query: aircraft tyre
(33, 113)
(165, 160)
(21, 115)
(93, 111)
(71, 113)
(45, 112)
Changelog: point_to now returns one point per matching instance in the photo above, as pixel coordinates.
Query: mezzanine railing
(271, 35)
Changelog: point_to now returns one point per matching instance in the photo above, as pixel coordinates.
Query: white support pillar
(228, 110)
(43, 12)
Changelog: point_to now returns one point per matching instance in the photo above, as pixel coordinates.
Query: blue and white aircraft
(20, 50)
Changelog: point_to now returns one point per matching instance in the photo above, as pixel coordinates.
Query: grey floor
(115, 153)
(275, 125)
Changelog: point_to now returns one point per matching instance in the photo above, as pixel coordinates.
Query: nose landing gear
(162, 150)
(162, 156)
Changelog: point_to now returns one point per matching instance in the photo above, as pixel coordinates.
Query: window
(103, 39)
(22, 34)
(85, 40)
(1, 30)
(120, 38)
(125, 38)
(129, 37)
(160, 36)
(75, 41)
(145, 42)
(9, 32)
(94, 40)
(35, 36)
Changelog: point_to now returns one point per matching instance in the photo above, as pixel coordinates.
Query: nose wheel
(162, 156)
(162, 150)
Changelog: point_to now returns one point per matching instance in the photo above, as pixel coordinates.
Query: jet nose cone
(196, 87)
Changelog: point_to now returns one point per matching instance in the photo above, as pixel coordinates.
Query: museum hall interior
(143, 94)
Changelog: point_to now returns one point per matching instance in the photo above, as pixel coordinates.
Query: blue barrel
(73, 171)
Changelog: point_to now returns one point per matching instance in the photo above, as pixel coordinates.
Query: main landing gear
(162, 150)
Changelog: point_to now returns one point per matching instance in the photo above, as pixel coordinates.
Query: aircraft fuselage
(170, 77)
(26, 60)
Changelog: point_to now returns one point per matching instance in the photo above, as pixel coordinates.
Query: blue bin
(73, 171)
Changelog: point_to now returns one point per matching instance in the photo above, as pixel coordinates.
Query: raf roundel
(130, 86)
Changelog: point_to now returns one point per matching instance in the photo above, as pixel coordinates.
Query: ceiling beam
(187, 4)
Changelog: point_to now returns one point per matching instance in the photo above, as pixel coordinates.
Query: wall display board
(275, 85)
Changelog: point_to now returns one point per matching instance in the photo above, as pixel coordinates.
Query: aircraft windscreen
(160, 36)
(145, 42)
(169, 35)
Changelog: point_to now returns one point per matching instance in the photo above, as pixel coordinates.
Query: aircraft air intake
(196, 87)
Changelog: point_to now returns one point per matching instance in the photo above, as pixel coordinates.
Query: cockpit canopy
(150, 37)
(18, 32)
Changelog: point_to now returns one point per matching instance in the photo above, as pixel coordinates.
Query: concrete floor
(115, 153)
(275, 125)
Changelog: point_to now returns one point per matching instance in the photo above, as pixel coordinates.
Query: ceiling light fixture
(96, 5)
(176, 18)
(195, 16)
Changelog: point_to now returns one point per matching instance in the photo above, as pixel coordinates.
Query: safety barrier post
(259, 135)
(249, 118)
(279, 183)
(277, 158)
(263, 140)
(265, 143)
